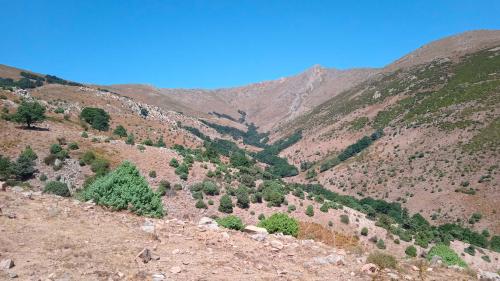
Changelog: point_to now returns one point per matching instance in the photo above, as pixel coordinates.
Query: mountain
(361, 160)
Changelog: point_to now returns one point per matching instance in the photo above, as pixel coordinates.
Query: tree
(24, 167)
(29, 113)
(120, 131)
(310, 211)
(242, 197)
(6, 168)
(226, 205)
(96, 117)
(411, 251)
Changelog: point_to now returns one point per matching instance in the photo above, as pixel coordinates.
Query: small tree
(243, 200)
(24, 167)
(226, 205)
(120, 131)
(29, 113)
(310, 211)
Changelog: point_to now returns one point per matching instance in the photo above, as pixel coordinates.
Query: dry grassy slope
(442, 127)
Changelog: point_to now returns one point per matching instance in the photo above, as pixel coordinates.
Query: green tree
(226, 205)
(243, 201)
(310, 211)
(29, 113)
(120, 131)
(96, 117)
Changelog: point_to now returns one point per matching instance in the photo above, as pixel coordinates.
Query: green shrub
(210, 188)
(486, 258)
(84, 135)
(448, 255)
(344, 219)
(120, 131)
(147, 142)
(29, 113)
(411, 251)
(364, 231)
(125, 188)
(130, 139)
(24, 167)
(59, 110)
(55, 148)
(291, 208)
(100, 166)
(280, 222)
(383, 260)
(495, 243)
(174, 163)
(163, 187)
(210, 202)
(200, 204)
(96, 117)
(231, 222)
(470, 250)
(380, 244)
(73, 146)
(310, 210)
(152, 174)
(141, 147)
(261, 217)
(160, 142)
(242, 199)
(57, 188)
(273, 192)
(324, 208)
(226, 205)
(6, 168)
(43, 177)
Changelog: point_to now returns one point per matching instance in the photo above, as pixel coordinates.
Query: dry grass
(317, 232)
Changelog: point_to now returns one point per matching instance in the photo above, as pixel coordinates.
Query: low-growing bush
(381, 244)
(364, 231)
(344, 219)
(310, 210)
(152, 174)
(200, 204)
(448, 256)
(280, 222)
(125, 188)
(411, 251)
(231, 222)
(383, 260)
(73, 146)
(226, 205)
(57, 188)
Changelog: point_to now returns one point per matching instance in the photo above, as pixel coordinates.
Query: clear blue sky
(210, 44)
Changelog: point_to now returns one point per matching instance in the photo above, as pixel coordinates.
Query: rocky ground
(47, 237)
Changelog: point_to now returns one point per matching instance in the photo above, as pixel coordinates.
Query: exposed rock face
(208, 223)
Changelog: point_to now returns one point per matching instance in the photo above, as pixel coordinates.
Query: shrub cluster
(57, 188)
(231, 222)
(280, 222)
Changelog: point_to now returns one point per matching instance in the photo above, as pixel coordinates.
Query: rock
(208, 223)
(277, 244)
(414, 268)
(148, 227)
(57, 163)
(3, 186)
(455, 267)
(370, 268)
(252, 229)
(12, 275)
(488, 276)
(144, 255)
(330, 259)
(176, 251)
(176, 269)
(158, 277)
(6, 264)
(259, 237)
(17, 189)
(393, 276)
(225, 235)
(436, 260)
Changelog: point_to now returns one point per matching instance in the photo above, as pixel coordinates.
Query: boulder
(488, 276)
(259, 237)
(277, 244)
(330, 259)
(208, 223)
(370, 268)
(148, 227)
(6, 264)
(144, 255)
(252, 229)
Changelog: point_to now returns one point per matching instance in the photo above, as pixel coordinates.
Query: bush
(273, 192)
(125, 188)
(73, 146)
(24, 167)
(380, 244)
(200, 204)
(96, 117)
(344, 219)
(210, 202)
(324, 208)
(210, 188)
(43, 177)
(173, 163)
(29, 113)
(242, 198)
(120, 131)
(231, 222)
(226, 205)
(411, 251)
(280, 222)
(84, 135)
(55, 148)
(310, 211)
(383, 260)
(6, 168)
(364, 231)
(448, 255)
(147, 142)
(261, 217)
(130, 139)
(163, 187)
(495, 243)
(470, 250)
(160, 143)
(57, 188)
(100, 166)
(291, 208)
(152, 174)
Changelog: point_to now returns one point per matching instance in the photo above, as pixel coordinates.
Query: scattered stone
(208, 223)
(414, 268)
(11, 215)
(370, 268)
(176, 269)
(6, 264)
(225, 235)
(488, 276)
(158, 277)
(277, 244)
(259, 237)
(393, 276)
(12, 275)
(252, 229)
(148, 227)
(176, 251)
(436, 260)
(330, 259)
(144, 255)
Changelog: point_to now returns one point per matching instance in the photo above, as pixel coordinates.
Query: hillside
(401, 161)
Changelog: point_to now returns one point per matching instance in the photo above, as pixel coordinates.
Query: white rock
(252, 229)
(176, 269)
(330, 259)
(277, 244)
(208, 223)
(148, 227)
(6, 264)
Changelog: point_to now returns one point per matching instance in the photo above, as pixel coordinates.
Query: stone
(6, 264)
(414, 268)
(277, 244)
(488, 276)
(208, 223)
(144, 255)
(57, 163)
(176, 251)
(252, 229)
(259, 237)
(330, 259)
(3, 186)
(12, 275)
(158, 277)
(148, 227)
(393, 276)
(175, 269)
(436, 260)
(370, 268)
